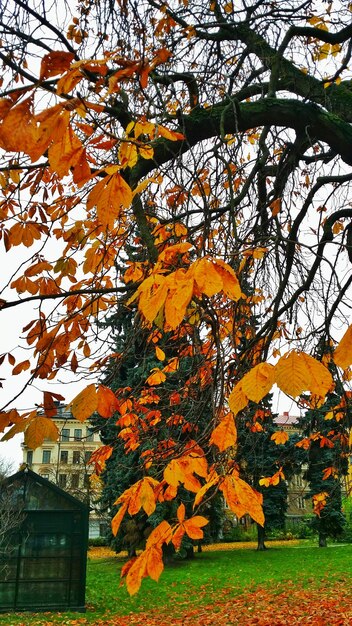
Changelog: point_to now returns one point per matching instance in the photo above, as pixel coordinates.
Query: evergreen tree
(326, 430)
(267, 465)
(184, 418)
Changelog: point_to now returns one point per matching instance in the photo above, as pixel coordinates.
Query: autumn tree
(221, 132)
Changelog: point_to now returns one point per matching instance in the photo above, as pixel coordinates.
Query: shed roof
(38, 493)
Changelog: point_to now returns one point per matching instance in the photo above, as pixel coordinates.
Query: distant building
(66, 463)
(298, 503)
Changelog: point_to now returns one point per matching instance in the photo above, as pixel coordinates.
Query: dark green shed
(43, 566)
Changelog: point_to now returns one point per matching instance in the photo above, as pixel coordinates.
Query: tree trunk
(190, 552)
(322, 540)
(261, 538)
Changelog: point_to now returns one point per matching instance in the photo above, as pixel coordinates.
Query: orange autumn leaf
(99, 456)
(171, 135)
(159, 353)
(230, 283)
(191, 527)
(211, 482)
(183, 470)
(150, 562)
(40, 428)
(242, 498)
(319, 502)
(275, 207)
(140, 496)
(280, 437)
(172, 365)
(272, 480)
(84, 404)
(152, 295)
(21, 367)
(180, 292)
(343, 353)
(225, 434)
(65, 153)
(107, 402)
(18, 130)
(330, 471)
(109, 196)
(54, 63)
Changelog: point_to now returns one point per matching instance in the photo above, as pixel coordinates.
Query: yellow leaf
(208, 280)
(258, 381)
(159, 353)
(40, 428)
(169, 134)
(156, 377)
(84, 404)
(152, 294)
(146, 152)
(320, 379)
(128, 154)
(343, 353)
(298, 372)
(237, 399)
(225, 434)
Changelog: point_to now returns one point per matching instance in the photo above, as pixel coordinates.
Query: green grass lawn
(186, 585)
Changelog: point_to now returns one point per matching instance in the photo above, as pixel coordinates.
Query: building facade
(66, 463)
(298, 504)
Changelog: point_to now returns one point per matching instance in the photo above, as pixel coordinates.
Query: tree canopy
(192, 161)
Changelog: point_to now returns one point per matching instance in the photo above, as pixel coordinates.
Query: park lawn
(219, 587)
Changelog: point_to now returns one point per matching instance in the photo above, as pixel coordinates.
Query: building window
(77, 434)
(75, 480)
(29, 457)
(62, 480)
(299, 481)
(103, 529)
(76, 457)
(46, 456)
(63, 456)
(90, 435)
(301, 503)
(87, 456)
(65, 434)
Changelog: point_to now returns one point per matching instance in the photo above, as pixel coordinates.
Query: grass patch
(184, 586)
